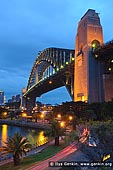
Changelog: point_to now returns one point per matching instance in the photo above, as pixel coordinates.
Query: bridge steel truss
(58, 64)
(105, 55)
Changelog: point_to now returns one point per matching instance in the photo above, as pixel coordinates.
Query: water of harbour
(35, 136)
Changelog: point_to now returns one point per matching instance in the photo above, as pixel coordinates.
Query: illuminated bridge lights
(48, 64)
(111, 61)
(96, 56)
(50, 81)
(67, 62)
(72, 58)
(109, 68)
(57, 69)
(61, 66)
(93, 45)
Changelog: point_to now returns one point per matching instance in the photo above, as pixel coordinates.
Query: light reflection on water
(41, 139)
(4, 135)
(35, 136)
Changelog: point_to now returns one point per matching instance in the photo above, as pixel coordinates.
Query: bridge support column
(87, 82)
(30, 103)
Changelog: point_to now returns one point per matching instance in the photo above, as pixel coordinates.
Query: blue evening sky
(29, 26)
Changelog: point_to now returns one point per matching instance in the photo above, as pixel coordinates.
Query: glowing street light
(42, 116)
(62, 124)
(70, 118)
(59, 116)
(5, 113)
(24, 114)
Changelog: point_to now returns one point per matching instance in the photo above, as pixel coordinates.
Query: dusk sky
(30, 26)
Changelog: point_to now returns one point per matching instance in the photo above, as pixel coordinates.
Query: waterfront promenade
(31, 152)
(70, 153)
(22, 123)
(73, 147)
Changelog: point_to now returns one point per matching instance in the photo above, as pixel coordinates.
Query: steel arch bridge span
(53, 68)
(57, 58)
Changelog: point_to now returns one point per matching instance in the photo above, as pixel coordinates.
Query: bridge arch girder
(54, 57)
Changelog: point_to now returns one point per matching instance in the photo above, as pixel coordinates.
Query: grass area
(30, 160)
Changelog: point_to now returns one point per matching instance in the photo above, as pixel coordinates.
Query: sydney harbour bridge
(57, 67)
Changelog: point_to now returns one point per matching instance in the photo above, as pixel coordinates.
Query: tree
(16, 145)
(55, 131)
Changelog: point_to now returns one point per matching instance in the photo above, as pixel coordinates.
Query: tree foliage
(16, 145)
(55, 131)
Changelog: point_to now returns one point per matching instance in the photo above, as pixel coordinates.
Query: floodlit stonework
(88, 71)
